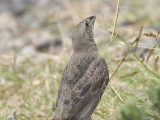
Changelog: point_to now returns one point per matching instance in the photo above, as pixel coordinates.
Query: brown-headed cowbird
(85, 76)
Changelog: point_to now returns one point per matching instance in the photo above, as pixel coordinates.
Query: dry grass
(29, 84)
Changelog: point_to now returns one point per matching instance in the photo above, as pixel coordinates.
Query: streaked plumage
(85, 76)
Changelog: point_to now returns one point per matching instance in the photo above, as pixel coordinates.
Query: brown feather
(84, 78)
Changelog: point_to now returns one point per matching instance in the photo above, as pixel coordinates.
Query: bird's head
(83, 33)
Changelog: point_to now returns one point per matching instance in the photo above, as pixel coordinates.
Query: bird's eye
(86, 24)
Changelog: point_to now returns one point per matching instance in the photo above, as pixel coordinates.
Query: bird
(85, 77)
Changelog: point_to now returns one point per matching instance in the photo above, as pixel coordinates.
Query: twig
(155, 36)
(150, 53)
(50, 112)
(111, 39)
(138, 38)
(114, 28)
(155, 64)
(113, 88)
(124, 56)
(26, 95)
(139, 46)
(105, 25)
(150, 71)
(146, 67)
(14, 62)
(157, 40)
(130, 74)
(116, 18)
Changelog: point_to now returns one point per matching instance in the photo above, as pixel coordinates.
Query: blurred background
(35, 45)
(31, 26)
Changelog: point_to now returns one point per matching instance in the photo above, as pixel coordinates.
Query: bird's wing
(88, 90)
(74, 72)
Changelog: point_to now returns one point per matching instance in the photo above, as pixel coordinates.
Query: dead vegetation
(29, 78)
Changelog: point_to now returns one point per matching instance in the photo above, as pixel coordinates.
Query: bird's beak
(92, 19)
